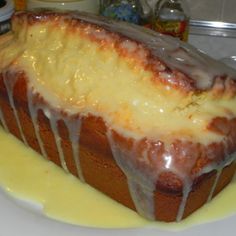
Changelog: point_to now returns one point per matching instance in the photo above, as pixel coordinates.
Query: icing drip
(219, 168)
(142, 185)
(9, 84)
(141, 188)
(143, 198)
(187, 187)
(3, 121)
(74, 127)
(54, 127)
(218, 173)
(33, 110)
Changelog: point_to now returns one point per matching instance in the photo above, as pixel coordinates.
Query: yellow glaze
(76, 74)
(64, 198)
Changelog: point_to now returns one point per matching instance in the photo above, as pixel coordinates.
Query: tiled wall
(213, 10)
(217, 47)
(210, 10)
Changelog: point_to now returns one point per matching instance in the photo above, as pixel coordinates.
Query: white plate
(17, 220)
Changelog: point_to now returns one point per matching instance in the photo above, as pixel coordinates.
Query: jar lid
(6, 11)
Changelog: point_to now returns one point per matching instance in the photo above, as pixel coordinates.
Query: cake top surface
(142, 83)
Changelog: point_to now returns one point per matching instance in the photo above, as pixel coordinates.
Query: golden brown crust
(98, 166)
(141, 55)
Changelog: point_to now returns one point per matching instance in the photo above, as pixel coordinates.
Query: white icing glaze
(54, 126)
(3, 122)
(33, 110)
(187, 187)
(176, 54)
(143, 199)
(74, 127)
(142, 182)
(218, 173)
(72, 124)
(219, 168)
(9, 84)
(141, 188)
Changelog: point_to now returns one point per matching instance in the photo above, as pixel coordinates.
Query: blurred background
(212, 22)
(213, 10)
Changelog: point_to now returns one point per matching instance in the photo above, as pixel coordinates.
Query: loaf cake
(144, 118)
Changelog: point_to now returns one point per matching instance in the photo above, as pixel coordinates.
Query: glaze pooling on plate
(34, 117)
(155, 66)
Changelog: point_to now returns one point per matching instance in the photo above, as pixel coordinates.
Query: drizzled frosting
(10, 88)
(72, 123)
(145, 161)
(176, 54)
(3, 123)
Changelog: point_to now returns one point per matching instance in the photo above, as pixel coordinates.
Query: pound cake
(144, 118)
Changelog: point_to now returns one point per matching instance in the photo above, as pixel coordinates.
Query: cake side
(160, 161)
(97, 165)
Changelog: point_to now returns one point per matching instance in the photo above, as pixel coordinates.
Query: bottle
(6, 11)
(124, 10)
(172, 18)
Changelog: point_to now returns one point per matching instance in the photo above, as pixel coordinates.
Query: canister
(80, 5)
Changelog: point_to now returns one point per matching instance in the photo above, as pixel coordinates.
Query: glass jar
(6, 11)
(124, 10)
(172, 18)
(80, 5)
